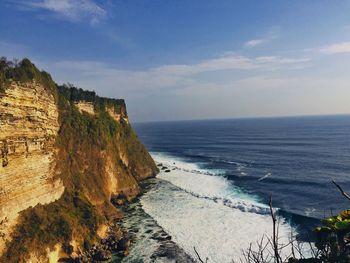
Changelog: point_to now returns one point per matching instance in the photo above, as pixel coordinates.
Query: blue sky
(194, 59)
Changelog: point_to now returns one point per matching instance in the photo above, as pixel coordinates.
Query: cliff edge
(65, 153)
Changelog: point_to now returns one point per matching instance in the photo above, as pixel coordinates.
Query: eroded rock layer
(28, 128)
(117, 116)
(66, 156)
(85, 107)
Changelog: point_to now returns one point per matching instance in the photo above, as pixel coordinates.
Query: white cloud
(92, 74)
(338, 48)
(119, 39)
(72, 10)
(254, 42)
(230, 62)
(236, 85)
(271, 34)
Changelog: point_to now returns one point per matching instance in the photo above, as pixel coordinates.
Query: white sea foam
(243, 173)
(201, 183)
(264, 177)
(208, 212)
(181, 164)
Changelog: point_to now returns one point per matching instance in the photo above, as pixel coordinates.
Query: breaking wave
(200, 207)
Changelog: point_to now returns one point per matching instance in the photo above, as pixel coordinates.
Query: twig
(341, 190)
(274, 238)
(292, 241)
(199, 258)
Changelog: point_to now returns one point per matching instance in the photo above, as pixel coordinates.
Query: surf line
(226, 202)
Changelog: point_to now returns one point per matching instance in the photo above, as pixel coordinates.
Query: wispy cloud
(230, 62)
(71, 10)
(256, 87)
(118, 38)
(269, 35)
(337, 48)
(254, 42)
(167, 77)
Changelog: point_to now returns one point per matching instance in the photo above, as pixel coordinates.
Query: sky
(190, 59)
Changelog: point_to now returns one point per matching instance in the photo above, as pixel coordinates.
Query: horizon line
(248, 117)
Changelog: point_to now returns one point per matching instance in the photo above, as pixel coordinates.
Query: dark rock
(123, 244)
(167, 171)
(161, 237)
(70, 260)
(171, 252)
(102, 255)
(67, 248)
(119, 200)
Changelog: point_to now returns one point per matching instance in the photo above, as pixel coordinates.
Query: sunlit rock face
(84, 106)
(117, 116)
(28, 129)
(56, 140)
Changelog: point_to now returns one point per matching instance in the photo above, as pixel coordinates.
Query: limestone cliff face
(28, 128)
(87, 107)
(64, 153)
(117, 116)
(124, 159)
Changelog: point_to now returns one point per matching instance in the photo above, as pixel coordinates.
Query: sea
(217, 176)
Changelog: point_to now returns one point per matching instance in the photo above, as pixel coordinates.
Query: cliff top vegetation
(84, 145)
(23, 71)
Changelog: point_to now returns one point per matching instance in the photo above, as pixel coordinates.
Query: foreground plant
(332, 243)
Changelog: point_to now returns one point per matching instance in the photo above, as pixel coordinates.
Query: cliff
(65, 153)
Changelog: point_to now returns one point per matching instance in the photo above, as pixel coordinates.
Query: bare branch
(341, 190)
(274, 237)
(292, 241)
(199, 258)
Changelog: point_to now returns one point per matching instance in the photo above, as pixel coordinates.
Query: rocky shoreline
(149, 242)
(136, 237)
(116, 242)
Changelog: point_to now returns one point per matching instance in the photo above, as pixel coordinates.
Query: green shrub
(24, 71)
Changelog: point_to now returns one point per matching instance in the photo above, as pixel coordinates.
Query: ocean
(220, 174)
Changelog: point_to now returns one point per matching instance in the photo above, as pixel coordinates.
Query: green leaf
(342, 225)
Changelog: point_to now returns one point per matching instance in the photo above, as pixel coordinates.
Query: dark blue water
(294, 159)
